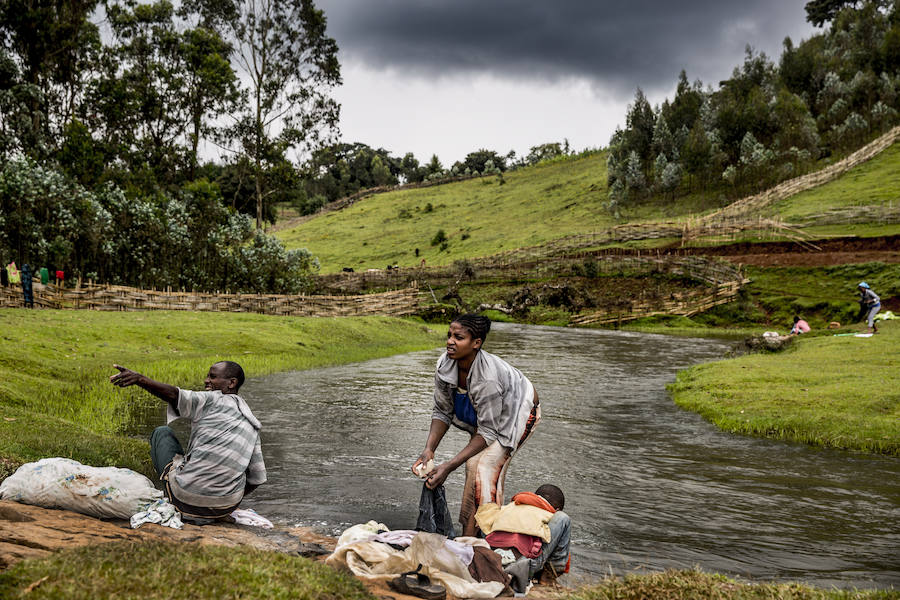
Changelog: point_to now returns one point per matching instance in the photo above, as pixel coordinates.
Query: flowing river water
(648, 485)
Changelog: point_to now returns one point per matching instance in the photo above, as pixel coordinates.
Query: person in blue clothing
(869, 305)
(490, 400)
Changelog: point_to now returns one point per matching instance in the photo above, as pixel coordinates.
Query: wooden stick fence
(122, 298)
(802, 183)
(680, 304)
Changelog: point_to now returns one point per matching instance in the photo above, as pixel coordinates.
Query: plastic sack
(103, 492)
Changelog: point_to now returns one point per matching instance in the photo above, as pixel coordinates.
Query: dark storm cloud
(615, 45)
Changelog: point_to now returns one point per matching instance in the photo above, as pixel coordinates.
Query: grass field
(479, 217)
(831, 391)
(55, 395)
(873, 183)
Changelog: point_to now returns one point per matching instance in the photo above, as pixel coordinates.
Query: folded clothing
(527, 545)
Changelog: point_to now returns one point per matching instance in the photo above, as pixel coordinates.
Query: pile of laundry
(408, 560)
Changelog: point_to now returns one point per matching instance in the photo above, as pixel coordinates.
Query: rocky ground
(32, 532)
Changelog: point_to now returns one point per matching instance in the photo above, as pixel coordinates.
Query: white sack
(104, 492)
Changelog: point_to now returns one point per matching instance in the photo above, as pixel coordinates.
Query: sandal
(414, 583)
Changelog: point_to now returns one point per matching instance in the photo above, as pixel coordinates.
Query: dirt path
(838, 251)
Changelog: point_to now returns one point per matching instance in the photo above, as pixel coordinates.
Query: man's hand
(125, 377)
(163, 391)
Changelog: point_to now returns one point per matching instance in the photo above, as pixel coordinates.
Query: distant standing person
(224, 460)
(492, 401)
(800, 326)
(27, 286)
(869, 305)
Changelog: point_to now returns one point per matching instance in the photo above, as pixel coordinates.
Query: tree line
(767, 122)
(107, 109)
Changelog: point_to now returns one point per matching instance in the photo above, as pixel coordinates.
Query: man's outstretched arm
(163, 391)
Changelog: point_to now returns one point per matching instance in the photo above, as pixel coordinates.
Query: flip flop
(414, 583)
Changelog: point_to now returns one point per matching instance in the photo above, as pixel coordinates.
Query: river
(648, 485)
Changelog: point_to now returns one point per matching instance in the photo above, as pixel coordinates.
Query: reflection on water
(648, 485)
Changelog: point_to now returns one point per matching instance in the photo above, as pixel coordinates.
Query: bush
(187, 239)
(439, 237)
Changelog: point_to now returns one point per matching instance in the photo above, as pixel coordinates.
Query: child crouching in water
(533, 528)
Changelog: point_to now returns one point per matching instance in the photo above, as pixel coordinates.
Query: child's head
(796, 319)
(553, 495)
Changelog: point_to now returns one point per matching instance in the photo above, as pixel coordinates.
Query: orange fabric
(533, 499)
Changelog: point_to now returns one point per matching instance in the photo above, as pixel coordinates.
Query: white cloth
(160, 512)
(103, 492)
(251, 518)
(398, 537)
(507, 557)
(379, 562)
(361, 533)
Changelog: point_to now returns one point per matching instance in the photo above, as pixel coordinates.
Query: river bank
(55, 396)
(833, 391)
(58, 554)
(256, 567)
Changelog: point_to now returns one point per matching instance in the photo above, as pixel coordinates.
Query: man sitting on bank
(534, 528)
(224, 460)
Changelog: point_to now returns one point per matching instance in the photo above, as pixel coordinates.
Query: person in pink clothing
(800, 326)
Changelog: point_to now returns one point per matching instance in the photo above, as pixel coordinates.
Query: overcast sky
(448, 77)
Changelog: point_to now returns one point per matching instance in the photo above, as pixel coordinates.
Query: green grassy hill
(479, 217)
(533, 205)
(874, 184)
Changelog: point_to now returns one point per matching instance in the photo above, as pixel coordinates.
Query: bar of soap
(423, 469)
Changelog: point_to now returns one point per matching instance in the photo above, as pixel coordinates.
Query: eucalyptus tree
(47, 49)
(166, 82)
(289, 66)
(142, 94)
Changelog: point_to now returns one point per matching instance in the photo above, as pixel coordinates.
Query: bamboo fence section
(683, 304)
(121, 298)
(752, 204)
(854, 214)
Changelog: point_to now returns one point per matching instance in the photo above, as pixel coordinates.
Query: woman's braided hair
(477, 325)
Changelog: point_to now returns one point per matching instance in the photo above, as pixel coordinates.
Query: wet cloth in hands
(434, 514)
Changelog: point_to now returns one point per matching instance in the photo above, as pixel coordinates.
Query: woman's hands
(438, 475)
(421, 461)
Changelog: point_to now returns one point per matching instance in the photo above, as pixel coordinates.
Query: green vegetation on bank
(818, 294)
(153, 570)
(686, 585)
(55, 396)
(826, 390)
